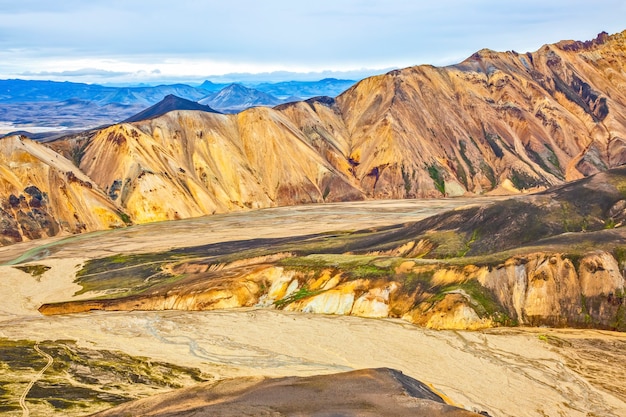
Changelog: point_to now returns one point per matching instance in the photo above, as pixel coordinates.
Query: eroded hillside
(44, 194)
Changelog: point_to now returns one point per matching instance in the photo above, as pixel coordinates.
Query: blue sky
(115, 41)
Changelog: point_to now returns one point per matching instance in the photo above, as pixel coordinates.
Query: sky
(158, 41)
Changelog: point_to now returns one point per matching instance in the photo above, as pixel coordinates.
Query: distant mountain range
(25, 91)
(37, 105)
(236, 97)
(28, 91)
(331, 87)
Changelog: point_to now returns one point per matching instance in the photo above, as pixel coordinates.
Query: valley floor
(505, 372)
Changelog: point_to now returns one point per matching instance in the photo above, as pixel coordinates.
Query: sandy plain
(505, 372)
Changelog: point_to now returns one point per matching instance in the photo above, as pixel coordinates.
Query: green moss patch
(127, 275)
(353, 266)
(300, 294)
(34, 270)
(436, 174)
(80, 380)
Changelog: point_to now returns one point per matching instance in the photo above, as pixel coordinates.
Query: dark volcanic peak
(168, 104)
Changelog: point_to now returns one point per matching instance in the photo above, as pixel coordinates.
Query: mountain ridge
(19, 91)
(496, 123)
(44, 195)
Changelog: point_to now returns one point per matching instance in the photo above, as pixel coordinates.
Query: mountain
(495, 123)
(190, 163)
(213, 87)
(168, 104)
(47, 106)
(236, 97)
(289, 89)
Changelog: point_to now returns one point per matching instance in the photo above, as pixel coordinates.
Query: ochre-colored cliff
(555, 258)
(533, 289)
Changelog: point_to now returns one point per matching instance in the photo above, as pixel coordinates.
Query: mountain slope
(44, 194)
(186, 164)
(534, 120)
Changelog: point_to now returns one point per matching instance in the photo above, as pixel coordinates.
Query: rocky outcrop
(548, 289)
(555, 258)
(536, 289)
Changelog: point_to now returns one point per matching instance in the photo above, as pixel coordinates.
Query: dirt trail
(25, 410)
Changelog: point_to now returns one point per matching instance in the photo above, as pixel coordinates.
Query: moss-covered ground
(80, 380)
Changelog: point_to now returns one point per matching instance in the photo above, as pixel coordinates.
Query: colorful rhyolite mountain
(497, 122)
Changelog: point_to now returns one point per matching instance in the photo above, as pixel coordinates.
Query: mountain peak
(239, 88)
(169, 103)
(236, 97)
(601, 39)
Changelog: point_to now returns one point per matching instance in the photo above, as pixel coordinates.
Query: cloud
(248, 36)
(276, 76)
(83, 72)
